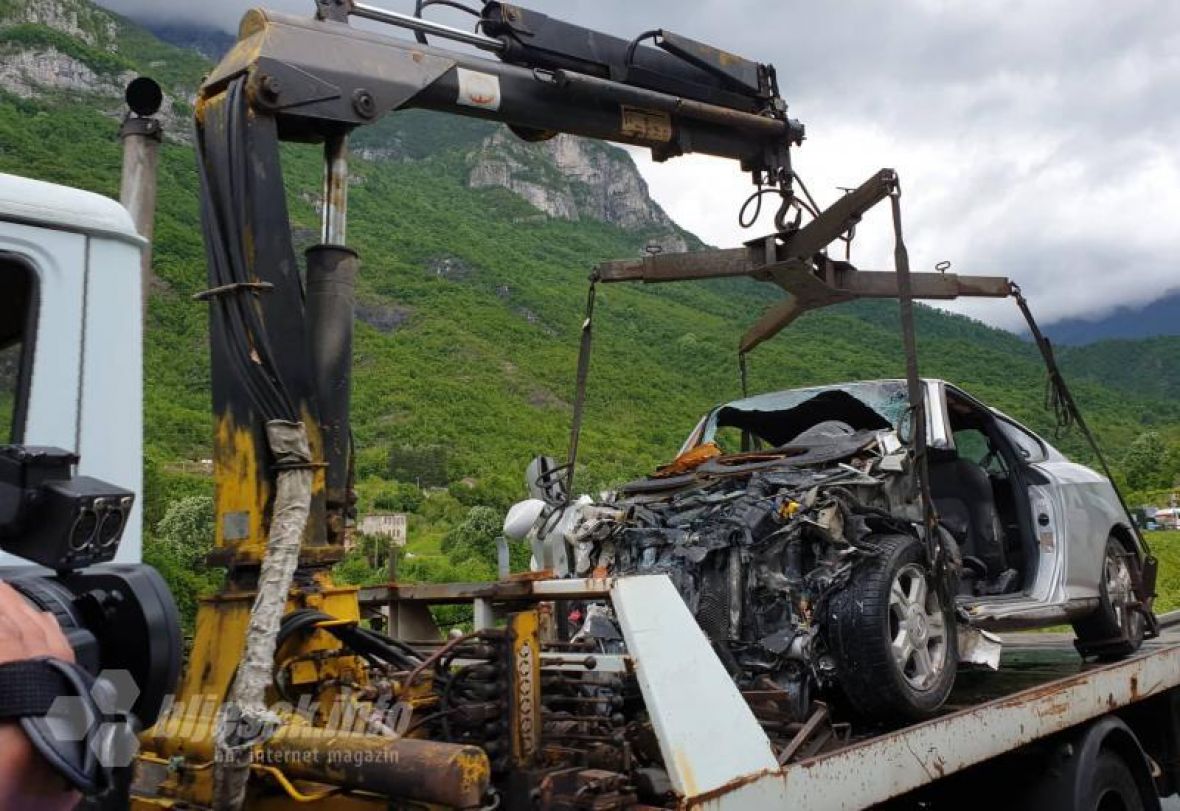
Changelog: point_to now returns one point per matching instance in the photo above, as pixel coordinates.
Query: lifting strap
(580, 385)
(1059, 399)
(901, 261)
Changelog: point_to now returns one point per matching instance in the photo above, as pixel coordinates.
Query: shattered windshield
(784, 417)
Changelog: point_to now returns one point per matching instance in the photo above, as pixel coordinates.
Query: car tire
(892, 638)
(1113, 620)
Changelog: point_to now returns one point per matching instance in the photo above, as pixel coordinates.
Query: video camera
(117, 617)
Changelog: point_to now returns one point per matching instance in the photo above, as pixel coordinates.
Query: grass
(1166, 547)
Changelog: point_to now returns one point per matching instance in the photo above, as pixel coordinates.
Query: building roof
(49, 205)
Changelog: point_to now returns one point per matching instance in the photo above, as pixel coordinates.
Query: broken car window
(782, 418)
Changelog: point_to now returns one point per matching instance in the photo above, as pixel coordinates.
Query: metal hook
(780, 217)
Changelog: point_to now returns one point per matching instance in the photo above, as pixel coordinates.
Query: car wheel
(1115, 630)
(891, 636)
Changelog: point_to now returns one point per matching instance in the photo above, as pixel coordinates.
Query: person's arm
(26, 780)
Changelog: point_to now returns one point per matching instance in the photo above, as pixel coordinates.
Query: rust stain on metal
(683, 765)
(1054, 710)
(698, 800)
(524, 577)
(1033, 694)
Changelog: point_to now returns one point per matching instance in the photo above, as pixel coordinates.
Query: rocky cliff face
(572, 179)
(29, 72)
(82, 21)
(33, 61)
(72, 47)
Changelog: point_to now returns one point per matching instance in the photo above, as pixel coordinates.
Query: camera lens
(115, 617)
(83, 529)
(110, 528)
(52, 596)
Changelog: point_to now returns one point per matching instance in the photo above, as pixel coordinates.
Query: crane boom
(281, 343)
(316, 79)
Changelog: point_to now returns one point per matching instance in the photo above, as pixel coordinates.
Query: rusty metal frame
(794, 262)
(506, 591)
(892, 764)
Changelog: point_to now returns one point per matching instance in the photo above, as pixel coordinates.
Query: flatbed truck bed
(1038, 733)
(1043, 690)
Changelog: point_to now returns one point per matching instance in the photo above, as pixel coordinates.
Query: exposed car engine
(758, 542)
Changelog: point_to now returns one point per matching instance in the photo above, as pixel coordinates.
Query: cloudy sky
(1034, 139)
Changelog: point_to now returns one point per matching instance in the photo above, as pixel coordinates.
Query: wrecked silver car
(791, 525)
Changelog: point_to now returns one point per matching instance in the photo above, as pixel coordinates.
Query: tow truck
(290, 696)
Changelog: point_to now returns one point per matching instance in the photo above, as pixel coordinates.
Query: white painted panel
(59, 258)
(111, 419)
(708, 736)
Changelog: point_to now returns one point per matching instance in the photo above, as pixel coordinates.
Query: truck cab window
(17, 318)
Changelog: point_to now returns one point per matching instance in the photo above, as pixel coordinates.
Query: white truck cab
(71, 348)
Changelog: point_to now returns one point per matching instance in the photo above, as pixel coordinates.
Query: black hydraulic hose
(224, 177)
(225, 319)
(240, 188)
(366, 642)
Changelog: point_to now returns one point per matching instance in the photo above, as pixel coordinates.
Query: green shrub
(178, 547)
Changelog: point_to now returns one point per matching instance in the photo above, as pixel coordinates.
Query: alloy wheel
(917, 627)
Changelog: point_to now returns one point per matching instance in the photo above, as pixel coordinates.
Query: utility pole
(142, 134)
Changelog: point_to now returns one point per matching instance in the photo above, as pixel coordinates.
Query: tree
(178, 547)
(474, 541)
(474, 538)
(424, 465)
(398, 497)
(187, 529)
(1144, 463)
(1172, 466)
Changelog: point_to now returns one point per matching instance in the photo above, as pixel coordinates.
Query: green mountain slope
(1148, 366)
(471, 304)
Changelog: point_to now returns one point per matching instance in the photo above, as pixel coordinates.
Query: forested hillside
(471, 298)
(1148, 367)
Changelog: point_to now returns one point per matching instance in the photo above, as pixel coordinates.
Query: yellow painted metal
(264, 798)
(525, 706)
(241, 490)
(402, 769)
(292, 791)
(186, 727)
